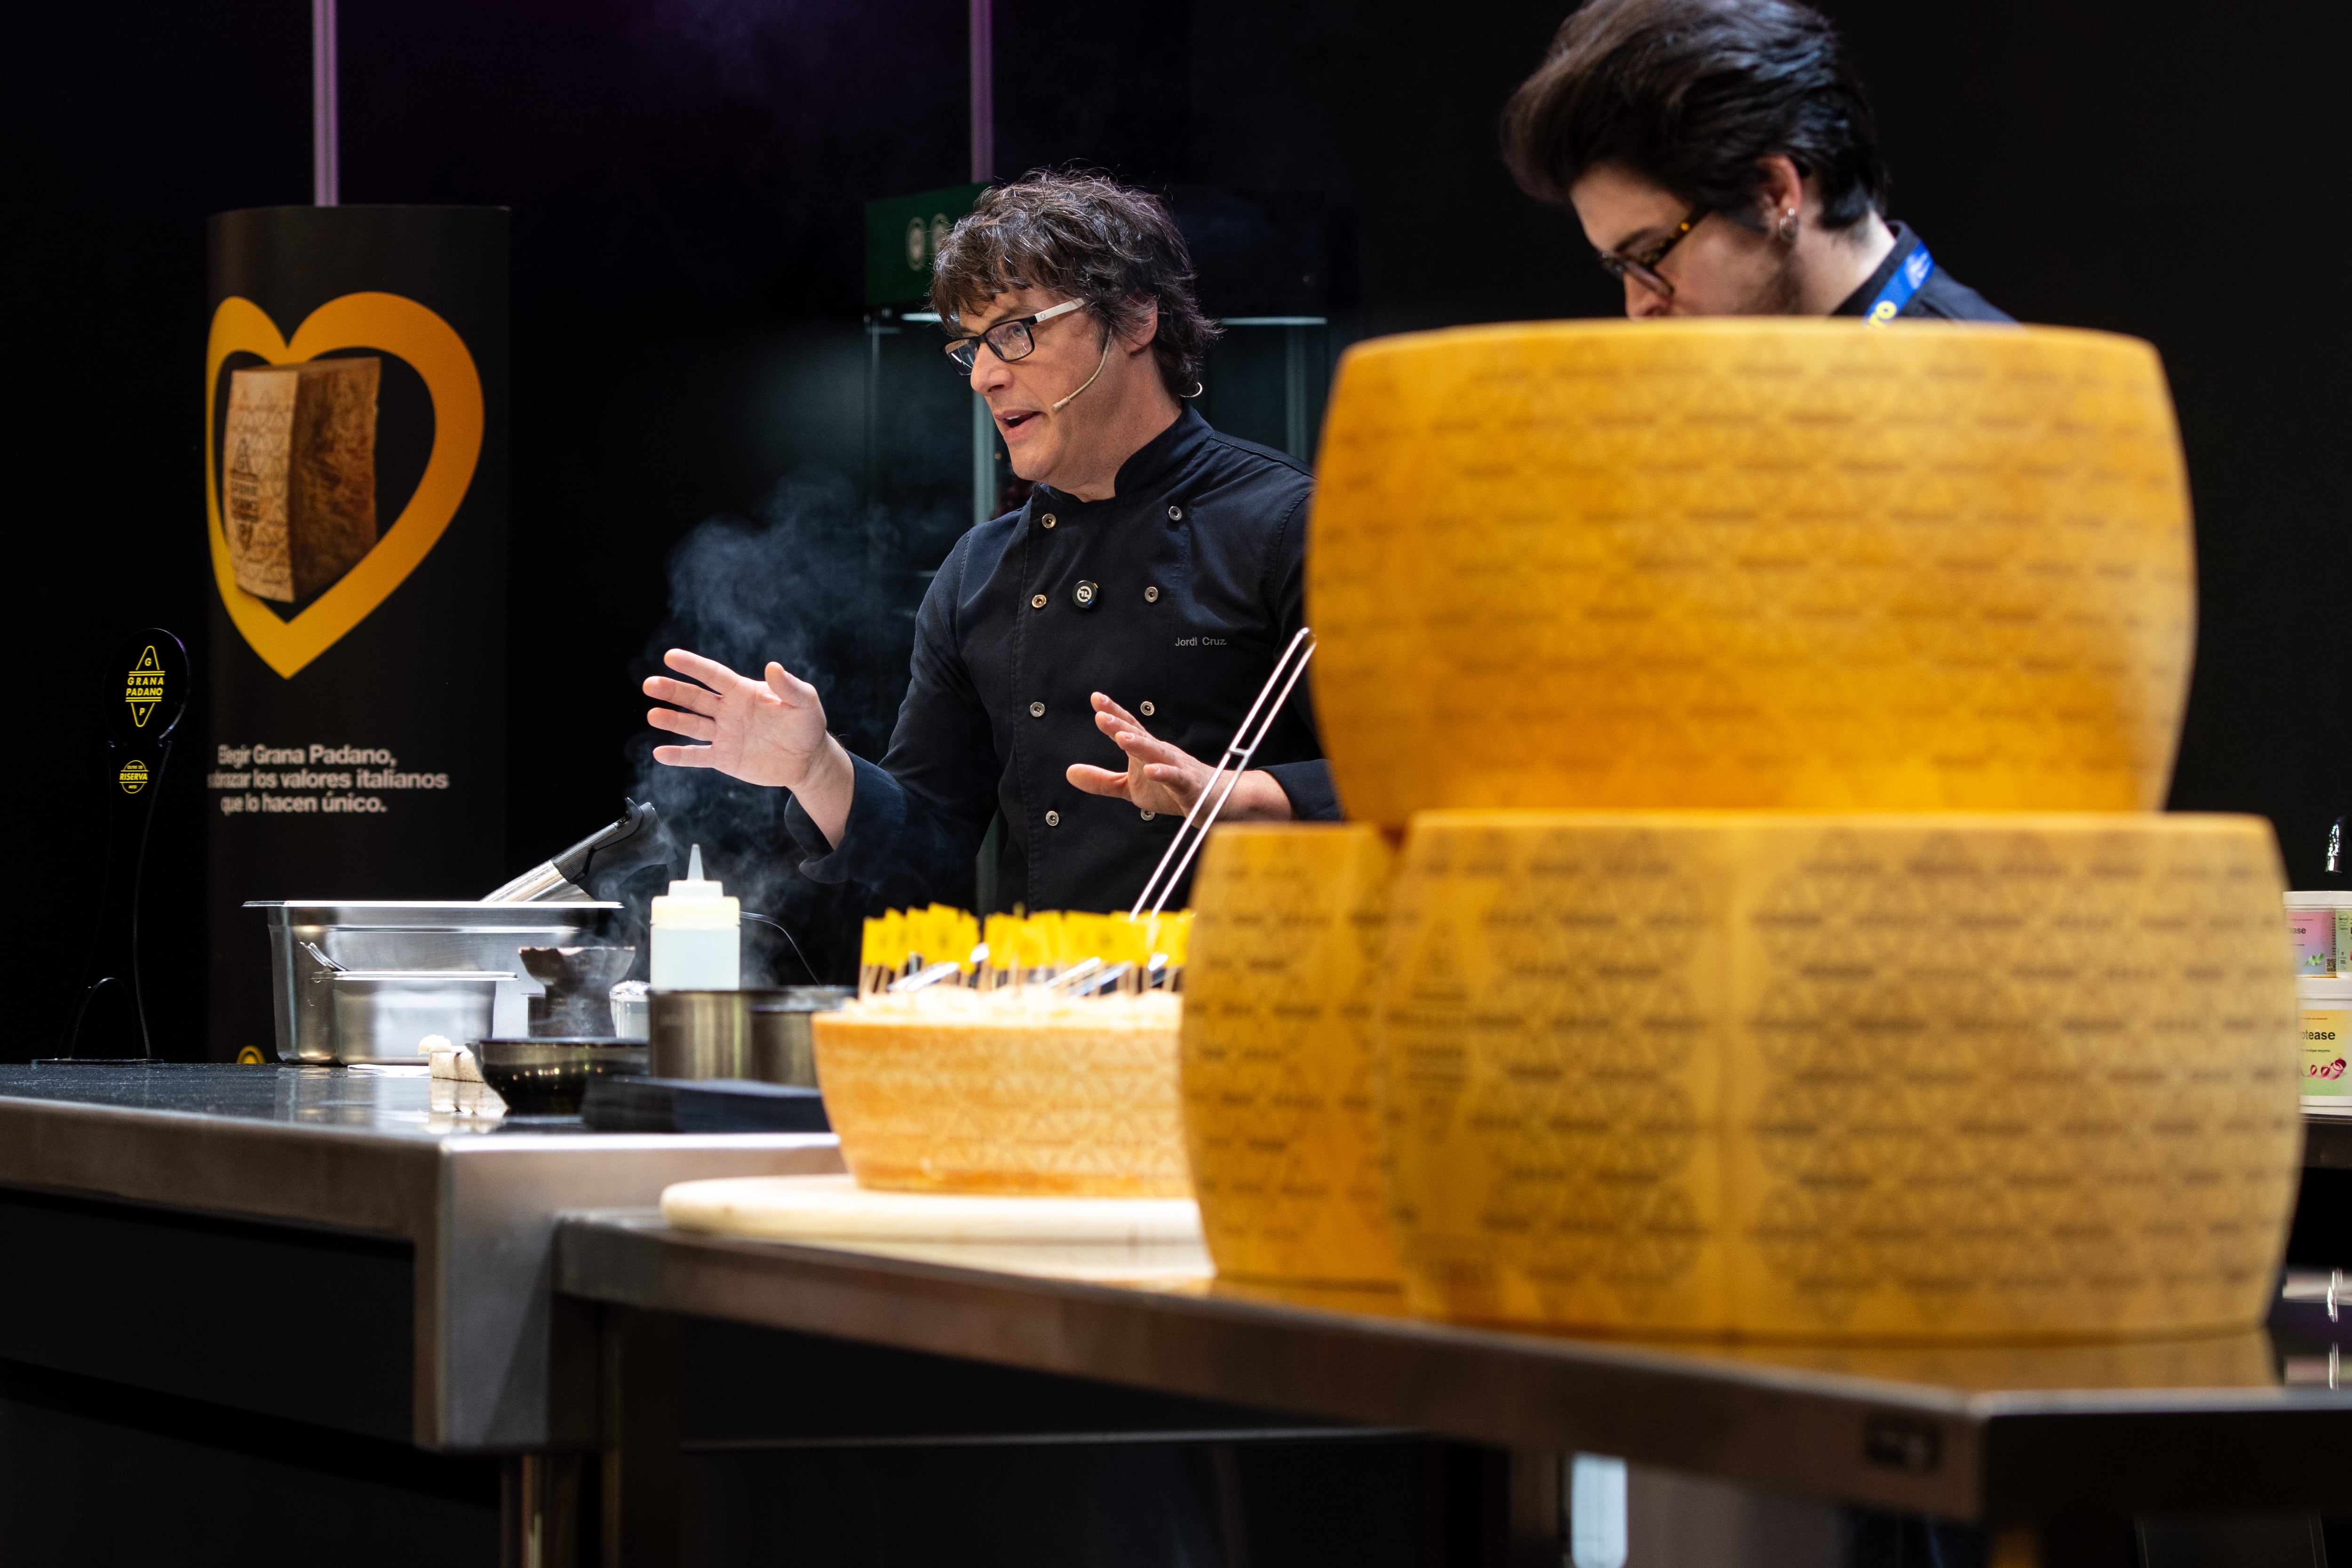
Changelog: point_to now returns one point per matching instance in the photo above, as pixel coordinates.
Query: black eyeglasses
(1643, 265)
(1008, 340)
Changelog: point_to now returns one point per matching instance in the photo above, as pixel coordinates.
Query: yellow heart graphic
(397, 326)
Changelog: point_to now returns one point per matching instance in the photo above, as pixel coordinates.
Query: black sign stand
(146, 691)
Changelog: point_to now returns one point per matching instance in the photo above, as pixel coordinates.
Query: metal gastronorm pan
(366, 934)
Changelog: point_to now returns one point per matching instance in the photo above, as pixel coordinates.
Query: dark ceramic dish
(550, 1077)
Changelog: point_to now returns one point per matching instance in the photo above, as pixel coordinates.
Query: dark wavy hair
(1688, 94)
(1083, 235)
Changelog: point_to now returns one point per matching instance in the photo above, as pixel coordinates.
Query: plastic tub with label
(2325, 1004)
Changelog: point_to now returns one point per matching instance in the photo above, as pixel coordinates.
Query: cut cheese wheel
(1280, 1105)
(299, 491)
(950, 1090)
(1750, 564)
(1937, 1077)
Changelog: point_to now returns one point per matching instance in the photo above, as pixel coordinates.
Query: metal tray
(382, 1013)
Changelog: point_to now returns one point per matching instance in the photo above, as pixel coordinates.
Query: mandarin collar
(1859, 302)
(1150, 468)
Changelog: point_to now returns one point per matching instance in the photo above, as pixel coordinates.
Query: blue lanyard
(1909, 278)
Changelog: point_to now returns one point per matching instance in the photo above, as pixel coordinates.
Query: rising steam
(807, 579)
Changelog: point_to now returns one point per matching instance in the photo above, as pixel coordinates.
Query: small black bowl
(550, 1077)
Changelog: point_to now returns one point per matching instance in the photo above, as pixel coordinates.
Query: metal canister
(701, 1034)
(783, 1049)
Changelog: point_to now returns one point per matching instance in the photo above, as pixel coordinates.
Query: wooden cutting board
(1156, 1235)
(820, 1208)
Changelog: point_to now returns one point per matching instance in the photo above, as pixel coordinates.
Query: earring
(1195, 392)
(1788, 227)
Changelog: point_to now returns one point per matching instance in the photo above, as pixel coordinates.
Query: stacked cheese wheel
(1750, 562)
(1904, 1017)
(1886, 1076)
(1281, 1102)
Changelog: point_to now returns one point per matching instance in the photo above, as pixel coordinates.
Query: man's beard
(1779, 293)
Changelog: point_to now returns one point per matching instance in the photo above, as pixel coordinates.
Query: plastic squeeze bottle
(698, 935)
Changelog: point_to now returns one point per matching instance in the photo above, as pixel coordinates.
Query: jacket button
(1085, 594)
(1150, 815)
(1053, 819)
(1047, 519)
(1037, 709)
(1175, 514)
(1147, 710)
(1151, 596)
(1038, 603)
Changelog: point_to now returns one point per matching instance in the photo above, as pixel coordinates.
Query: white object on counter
(454, 1062)
(698, 935)
(457, 1087)
(2325, 1010)
(2321, 925)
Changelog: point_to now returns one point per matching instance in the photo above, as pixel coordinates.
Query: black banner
(356, 428)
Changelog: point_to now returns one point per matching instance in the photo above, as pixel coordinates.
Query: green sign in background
(902, 235)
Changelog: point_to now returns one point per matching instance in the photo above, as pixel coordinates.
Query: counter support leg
(538, 1508)
(1490, 1508)
(1536, 1515)
(2066, 1544)
(641, 1439)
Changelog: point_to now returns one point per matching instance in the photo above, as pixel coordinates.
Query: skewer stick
(1243, 747)
(927, 976)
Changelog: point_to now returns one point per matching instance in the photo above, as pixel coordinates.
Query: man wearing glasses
(1074, 660)
(1722, 159)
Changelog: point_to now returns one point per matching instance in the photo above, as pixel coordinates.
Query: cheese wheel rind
(1281, 1097)
(1750, 564)
(1941, 1077)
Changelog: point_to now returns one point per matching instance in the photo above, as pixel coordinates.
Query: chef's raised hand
(1163, 778)
(767, 731)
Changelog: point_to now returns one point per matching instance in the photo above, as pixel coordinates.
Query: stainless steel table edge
(140, 1154)
(1998, 1455)
(479, 1211)
(500, 1388)
(1766, 1427)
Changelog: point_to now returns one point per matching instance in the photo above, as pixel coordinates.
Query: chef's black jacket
(1175, 597)
(1942, 298)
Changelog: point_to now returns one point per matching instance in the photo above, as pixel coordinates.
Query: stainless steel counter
(338, 1151)
(2002, 1435)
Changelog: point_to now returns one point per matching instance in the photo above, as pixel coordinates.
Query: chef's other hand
(764, 732)
(1161, 778)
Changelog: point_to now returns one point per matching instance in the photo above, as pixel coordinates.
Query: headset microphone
(1091, 380)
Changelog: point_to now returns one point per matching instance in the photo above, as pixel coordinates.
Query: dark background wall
(685, 177)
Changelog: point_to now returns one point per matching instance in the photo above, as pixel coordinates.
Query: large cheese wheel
(1952, 1077)
(1750, 564)
(1281, 1111)
(950, 1090)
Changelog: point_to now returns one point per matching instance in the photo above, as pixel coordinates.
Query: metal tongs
(1286, 671)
